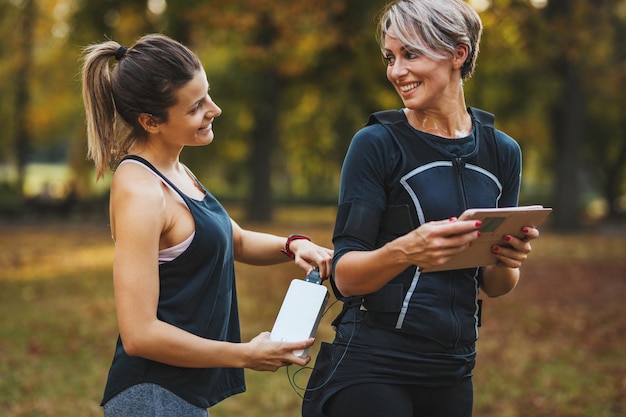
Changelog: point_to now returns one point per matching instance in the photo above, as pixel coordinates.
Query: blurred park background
(295, 80)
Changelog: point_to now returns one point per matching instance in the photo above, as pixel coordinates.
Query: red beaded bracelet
(290, 239)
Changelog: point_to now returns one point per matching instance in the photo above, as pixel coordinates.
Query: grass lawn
(555, 346)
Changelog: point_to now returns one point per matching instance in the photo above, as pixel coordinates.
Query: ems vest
(424, 183)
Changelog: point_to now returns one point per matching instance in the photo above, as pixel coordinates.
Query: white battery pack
(300, 313)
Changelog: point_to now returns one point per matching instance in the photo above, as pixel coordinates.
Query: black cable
(292, 378)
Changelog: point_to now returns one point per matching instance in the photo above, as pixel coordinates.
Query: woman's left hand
(516, 250)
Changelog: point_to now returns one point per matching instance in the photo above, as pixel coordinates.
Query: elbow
(344, 289)
(495, 291)
(499, 289)
(350, 285)
(343, 284)
(352, 281)
(496, 294)
(498, 281)
(134, 344)
(131, 346)
(138, 333)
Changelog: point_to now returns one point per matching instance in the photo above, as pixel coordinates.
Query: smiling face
(423, 82)
(190, 120)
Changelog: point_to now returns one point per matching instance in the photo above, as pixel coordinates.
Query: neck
(164, 160)
(449, 124)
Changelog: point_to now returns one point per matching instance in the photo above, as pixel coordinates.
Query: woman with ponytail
(179, 349)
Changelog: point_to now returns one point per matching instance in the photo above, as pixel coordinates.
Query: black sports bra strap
(157, 172)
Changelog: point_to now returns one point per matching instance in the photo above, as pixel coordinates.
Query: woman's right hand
(431, 244)
(265, 354)
(434, 243)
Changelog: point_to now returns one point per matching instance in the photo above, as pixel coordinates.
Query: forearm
(257, 248)
(162, 342)
(431, 244)
(364, 272)
(499, 280)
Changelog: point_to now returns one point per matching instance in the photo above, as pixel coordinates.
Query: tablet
(496, 223)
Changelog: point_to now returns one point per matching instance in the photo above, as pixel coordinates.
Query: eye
(412, 54)
(197, 107)
(389, 59)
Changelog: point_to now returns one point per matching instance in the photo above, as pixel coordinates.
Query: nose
(397, 70)
(213, 109)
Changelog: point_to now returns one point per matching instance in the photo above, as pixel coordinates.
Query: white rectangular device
(300, 313)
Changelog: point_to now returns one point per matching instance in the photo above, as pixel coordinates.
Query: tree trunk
(23, 140)
(568, 113)
(260, 207)
(615, 173)
(567, 133)
(614, 178)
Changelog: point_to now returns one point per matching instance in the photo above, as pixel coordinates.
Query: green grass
(554, 347)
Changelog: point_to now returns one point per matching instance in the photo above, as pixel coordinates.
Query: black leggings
(375, 400)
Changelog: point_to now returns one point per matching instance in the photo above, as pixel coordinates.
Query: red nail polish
(525, 230)
(452, 219)
(496, 248)
(507, 238)
(479, 233)
(479, 223)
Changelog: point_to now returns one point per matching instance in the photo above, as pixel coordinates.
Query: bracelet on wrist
(286, 250)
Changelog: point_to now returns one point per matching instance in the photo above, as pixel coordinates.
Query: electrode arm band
(290, 239)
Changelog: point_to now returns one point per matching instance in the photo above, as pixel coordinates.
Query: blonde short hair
(434, 28)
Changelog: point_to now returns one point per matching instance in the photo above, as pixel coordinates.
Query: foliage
(323, 63)
(554, 72)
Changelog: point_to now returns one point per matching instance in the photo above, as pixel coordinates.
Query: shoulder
(387, 117)
(372, 144)
(506, 141)
(134, 184)
(372, 135)
(486, 121)
(376, 134)
(138, 206)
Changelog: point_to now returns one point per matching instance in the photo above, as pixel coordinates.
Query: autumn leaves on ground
(554, 347)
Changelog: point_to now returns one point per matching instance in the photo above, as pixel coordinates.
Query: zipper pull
(459, 164)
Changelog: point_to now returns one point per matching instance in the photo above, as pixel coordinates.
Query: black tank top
(196, 293)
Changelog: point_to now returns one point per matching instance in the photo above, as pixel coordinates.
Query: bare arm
(433, 243)
(265, 249)
(139, 215)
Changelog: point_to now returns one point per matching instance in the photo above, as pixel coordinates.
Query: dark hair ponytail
(144, 80)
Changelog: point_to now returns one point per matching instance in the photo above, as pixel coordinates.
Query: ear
(461, 53)
(148, 122)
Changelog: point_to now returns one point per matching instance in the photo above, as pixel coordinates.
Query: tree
(297, 79)
(24, 51)
(580, 59)
(554, 76)
(290, 73)
(567, 112)
(606, 149)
